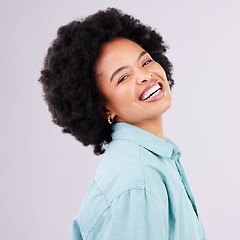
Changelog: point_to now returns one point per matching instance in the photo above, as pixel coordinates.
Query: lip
(148, 87)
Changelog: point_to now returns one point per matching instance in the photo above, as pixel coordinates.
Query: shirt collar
(145, 139)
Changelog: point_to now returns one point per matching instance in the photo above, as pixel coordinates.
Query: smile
(153, 92)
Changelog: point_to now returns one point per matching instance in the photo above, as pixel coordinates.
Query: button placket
(176, 157)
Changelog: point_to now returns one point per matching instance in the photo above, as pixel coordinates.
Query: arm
(135, 214)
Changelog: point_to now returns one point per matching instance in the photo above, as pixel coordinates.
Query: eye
(122, 78)
(147, 62)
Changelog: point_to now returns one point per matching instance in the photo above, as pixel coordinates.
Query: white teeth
(151, 90)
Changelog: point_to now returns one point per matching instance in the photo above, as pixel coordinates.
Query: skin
(122, 89)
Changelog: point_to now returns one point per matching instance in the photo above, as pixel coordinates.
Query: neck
(154, 127)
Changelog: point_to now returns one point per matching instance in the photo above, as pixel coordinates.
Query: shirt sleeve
(135, 214)
(76, 233)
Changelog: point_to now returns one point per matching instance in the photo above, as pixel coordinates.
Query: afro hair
(68, 77)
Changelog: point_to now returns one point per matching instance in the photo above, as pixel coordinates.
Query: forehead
(118, 44)
(115, 54)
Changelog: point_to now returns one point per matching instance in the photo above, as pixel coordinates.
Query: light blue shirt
(139, 192)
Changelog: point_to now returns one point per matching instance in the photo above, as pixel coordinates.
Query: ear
(104, 110)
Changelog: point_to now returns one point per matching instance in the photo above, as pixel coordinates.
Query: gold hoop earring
(109, 119)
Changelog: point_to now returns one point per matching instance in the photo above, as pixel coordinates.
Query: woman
(107, 81)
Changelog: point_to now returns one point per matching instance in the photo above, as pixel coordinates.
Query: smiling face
(135, 87)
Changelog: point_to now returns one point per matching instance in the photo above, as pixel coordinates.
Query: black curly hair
(68, 77)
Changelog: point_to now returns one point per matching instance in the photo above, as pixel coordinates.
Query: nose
(144, 76)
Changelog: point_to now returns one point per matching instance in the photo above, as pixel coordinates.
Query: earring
(109, 119)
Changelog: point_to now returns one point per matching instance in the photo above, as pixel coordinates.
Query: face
(135, 87)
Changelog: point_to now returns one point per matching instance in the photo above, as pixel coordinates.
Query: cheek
(159, 69)
(121, 99)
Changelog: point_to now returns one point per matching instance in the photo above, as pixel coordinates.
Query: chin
(166, 105)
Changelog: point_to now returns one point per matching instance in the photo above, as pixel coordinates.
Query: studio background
(44, 174)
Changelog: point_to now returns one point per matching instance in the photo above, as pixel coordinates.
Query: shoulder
(120, 169)
(124, 182)
(128, 210)
(127, 165)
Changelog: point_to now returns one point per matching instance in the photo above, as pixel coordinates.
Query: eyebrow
(124, 67)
